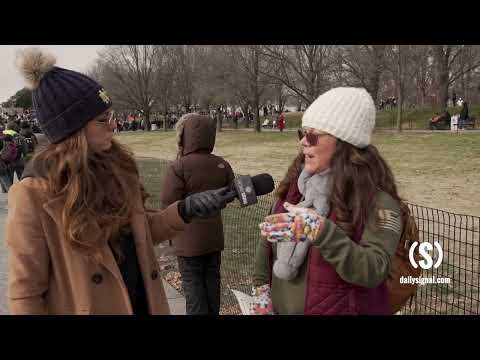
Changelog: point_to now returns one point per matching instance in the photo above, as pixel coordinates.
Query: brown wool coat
(46, 276)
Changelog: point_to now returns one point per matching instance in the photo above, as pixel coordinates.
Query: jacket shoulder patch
(389, 220)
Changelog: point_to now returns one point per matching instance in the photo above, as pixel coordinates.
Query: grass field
(438, 170)
(412, 118)
(459, 237)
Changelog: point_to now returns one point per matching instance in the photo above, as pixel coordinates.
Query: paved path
(3, 256)
(175, 299)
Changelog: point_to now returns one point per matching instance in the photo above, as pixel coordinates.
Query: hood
(195, 133)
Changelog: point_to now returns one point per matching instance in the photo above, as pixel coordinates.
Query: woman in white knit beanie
(333, 251)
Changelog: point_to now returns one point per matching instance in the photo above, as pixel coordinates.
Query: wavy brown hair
(357, 176)
(98, 190)
(292, 174)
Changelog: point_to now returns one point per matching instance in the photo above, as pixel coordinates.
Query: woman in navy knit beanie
(79, 237)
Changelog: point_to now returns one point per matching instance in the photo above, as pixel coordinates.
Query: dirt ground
(439, 170)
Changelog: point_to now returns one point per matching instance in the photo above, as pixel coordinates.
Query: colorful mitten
(262, 301)
(299, 224)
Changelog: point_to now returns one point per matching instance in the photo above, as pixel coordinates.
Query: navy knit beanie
(64, 100)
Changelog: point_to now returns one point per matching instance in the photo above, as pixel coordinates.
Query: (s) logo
(427, 261)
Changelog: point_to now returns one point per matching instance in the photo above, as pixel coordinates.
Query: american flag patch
(389, 220)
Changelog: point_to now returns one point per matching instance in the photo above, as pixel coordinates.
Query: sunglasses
(107, 118)
(312, 138)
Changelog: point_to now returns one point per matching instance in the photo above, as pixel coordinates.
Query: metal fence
(458, 235)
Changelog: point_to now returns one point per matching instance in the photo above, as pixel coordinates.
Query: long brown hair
(357, 176)
(292, 174)
(98, 190)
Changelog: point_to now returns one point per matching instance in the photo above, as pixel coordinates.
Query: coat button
(97, 278)
(154, 274)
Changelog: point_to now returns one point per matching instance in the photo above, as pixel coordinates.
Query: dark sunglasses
(312, 138)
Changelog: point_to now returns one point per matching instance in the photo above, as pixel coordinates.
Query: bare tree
(464, 70)
(400, 76)
(189, 61)
(361, 65)
(277, 93)
(447, 70)
(132, 76)
(246, 68)
(304, 69)
(401, 72)
(165, 73)
(421, 61)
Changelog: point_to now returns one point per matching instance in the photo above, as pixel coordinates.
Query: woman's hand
(299, 224)
(262, 301)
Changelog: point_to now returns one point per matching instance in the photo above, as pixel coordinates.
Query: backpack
(21, 145)
(9, 152)
(398, 293)
(29, 144)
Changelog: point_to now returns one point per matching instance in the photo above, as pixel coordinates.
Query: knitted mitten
(262, 301)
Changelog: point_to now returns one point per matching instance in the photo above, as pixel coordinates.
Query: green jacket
(365, 264)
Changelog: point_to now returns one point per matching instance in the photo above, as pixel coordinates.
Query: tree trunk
(148, 125)
(258, 127)
(468, 80)
(374, 81)
(165, 116)
(399, 85)
(256, 105)
(442, 76)
(219, 121)
(256, 94)
(281, 99)
(246, 116)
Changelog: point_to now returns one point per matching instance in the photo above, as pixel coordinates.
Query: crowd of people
(444, 121)
(81, 239)
(17, 145)
(230, 116)
(388, 103)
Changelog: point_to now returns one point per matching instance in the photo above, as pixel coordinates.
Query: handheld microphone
(246, 189)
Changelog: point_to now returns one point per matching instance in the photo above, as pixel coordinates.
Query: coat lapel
(138, 225)
(53, 208)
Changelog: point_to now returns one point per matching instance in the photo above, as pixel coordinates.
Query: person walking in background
(199, 248)
(79, 238)
(463, 115)
(265, 111)
(30, 139)
(8, 155)
(281, 122)
(18, 164)
(348, 218)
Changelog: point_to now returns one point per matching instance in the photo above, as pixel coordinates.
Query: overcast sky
(75, 57)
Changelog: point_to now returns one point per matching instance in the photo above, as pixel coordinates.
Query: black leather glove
(205, 204)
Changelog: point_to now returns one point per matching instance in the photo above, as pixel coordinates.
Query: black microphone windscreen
(263, 184)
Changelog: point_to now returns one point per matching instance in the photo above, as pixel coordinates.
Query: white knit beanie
(345, 112)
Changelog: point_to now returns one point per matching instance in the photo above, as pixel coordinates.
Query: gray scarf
(316, 189)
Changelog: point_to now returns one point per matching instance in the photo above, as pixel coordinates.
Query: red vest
(326, 293)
